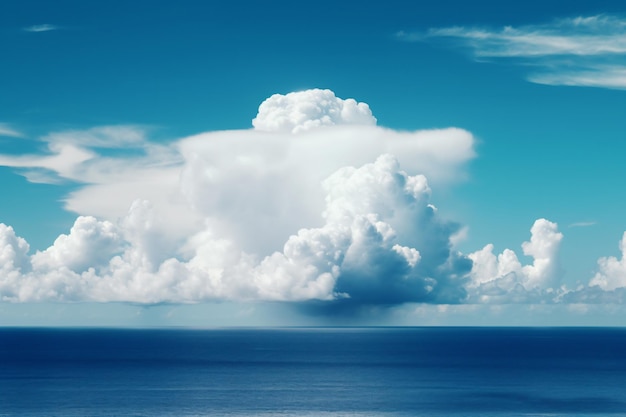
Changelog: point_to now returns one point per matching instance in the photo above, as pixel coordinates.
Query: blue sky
(145, 113)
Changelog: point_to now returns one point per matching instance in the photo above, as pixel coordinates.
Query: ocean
(313, 372)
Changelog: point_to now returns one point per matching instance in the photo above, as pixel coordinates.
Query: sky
(208, 164)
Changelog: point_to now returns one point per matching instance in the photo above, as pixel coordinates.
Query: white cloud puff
(612, 271)
(90, 243)
(304, 110)
(503, 278)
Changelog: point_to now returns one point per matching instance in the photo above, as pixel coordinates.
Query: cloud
(583, 51)
(52, 168)
(112, 137)
(109, 161)
(593, 295)
(304, 110)
(14, 263)
(381, 243)
(337, 218)
(389, 245)
(606, 287)
(8, 130)
(41, 28)
(89, 244)
(582, 224)
(603, 76)
(329, 207)
(582, 36)
(612, 271)
(505, 279)
(251, 183)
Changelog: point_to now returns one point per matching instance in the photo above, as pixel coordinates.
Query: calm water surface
(313, 372)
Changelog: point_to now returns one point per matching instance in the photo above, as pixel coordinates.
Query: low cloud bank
(315, 205)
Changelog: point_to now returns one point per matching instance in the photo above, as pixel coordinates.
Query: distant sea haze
(313, 372)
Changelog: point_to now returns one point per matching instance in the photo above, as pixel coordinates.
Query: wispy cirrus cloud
(7, 130)
(46, 27)
(582, 224)
(583, 51)
(73, 155)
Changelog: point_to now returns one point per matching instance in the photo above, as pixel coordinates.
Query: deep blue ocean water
(313, 372)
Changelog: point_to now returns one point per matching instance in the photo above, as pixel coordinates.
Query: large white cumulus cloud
(315, 203)
(378, 220)
(251, 183)
(377, 223)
